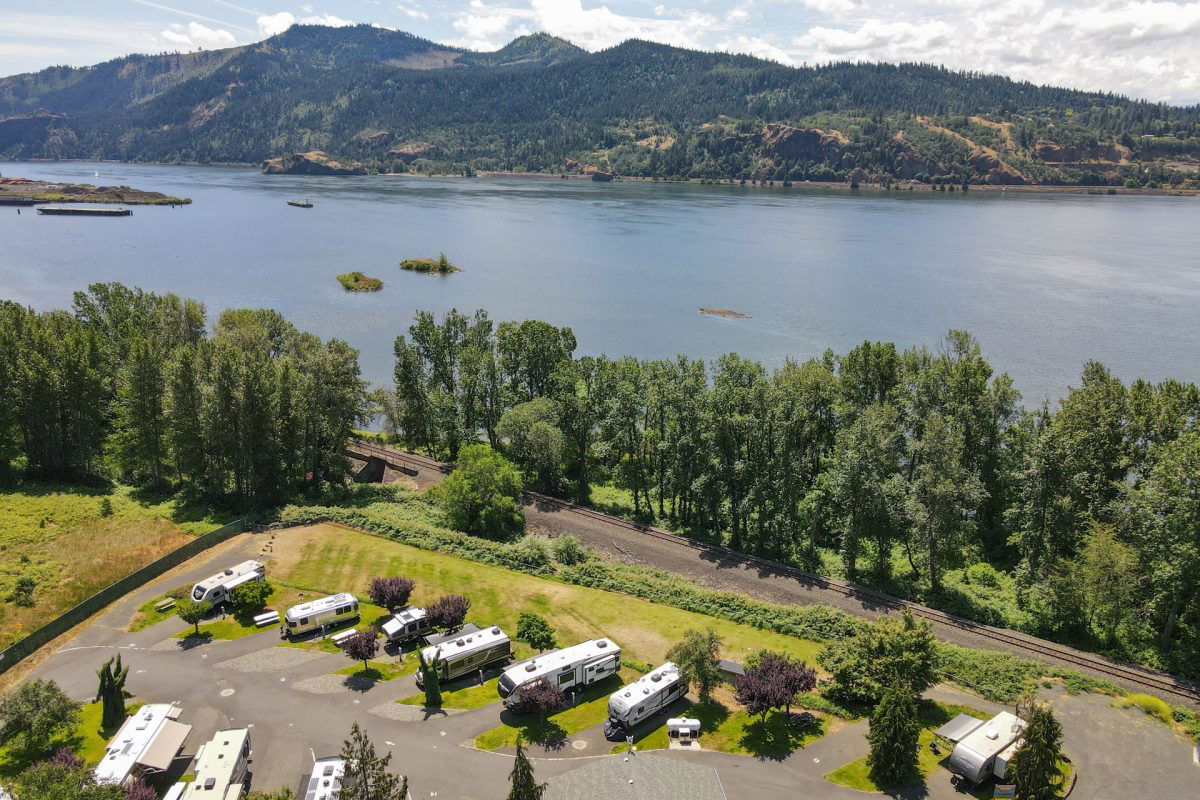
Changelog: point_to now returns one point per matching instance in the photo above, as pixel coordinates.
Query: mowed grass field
(72, 543)
(332, 558)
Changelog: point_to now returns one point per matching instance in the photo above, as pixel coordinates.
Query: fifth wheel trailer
(580, 665)
(642, 699)
(219, 588)
(468, 653)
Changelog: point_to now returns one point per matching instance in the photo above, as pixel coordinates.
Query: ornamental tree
(112, 692)
(390, 593)
(448, 612)
(894, 733)
(193, 612)
(541, 698)
(362, 646)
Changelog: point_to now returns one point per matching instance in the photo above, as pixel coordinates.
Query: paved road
(719, 569)
(290, 725)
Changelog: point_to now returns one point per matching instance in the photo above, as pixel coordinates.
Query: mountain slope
(399, 102)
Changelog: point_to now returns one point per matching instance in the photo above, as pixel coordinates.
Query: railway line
(1123, 674)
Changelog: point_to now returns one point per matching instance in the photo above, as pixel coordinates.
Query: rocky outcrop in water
(313, 162)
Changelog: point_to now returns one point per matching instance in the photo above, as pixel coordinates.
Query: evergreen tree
(893, 736)
(524, 785)
(139, 440)
(112, 692)
(367, 776)
(431, 681)
(1034, 768)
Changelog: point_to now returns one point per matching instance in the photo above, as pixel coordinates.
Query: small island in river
(359, 282)
(724, 312)
(27, 192)
(440, 265)
(314, 162)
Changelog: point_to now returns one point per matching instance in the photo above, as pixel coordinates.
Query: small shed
(730, 670)
(958, 728)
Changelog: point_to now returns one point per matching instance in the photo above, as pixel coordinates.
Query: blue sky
(1146, 49)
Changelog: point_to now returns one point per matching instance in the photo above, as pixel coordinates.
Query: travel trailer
(146, 744)
(320, 614)
(642, 699)
(408, 623)
(325, 782)
(985, 750)
(222, 767)
(219, 588)
(580, 665)
(468, 653)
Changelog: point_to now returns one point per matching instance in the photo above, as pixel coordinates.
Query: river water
(1044, 281)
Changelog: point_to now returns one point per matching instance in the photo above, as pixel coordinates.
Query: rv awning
(245, 577)
(162, 750)
(957, 729)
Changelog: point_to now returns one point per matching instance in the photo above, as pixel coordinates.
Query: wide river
(1045, 282)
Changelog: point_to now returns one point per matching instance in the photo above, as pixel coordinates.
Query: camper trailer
(975, 755)
(219, 588)
(469, 653)
(580, 665)
(146, 744)
(222, 767)
(408, 623)
(319, 614)
(642, 699)
(325, 782)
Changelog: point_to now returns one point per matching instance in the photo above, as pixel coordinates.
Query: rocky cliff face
(993, 170)
(1053, 153)
(785, 143)
(910, 163)
(313, 162)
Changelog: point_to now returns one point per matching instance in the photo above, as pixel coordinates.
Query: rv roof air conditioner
(530, 667)
(496, 629)
(602, 643)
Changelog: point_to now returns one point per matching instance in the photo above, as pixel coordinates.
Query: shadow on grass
(545, 732)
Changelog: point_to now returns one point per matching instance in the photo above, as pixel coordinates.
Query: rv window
(640, 709)
(354, 606)
(566, 678)
(304, 620)
(342, 610)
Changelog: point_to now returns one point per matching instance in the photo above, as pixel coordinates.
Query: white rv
(642, 699)
(320, 614)
(219, 588)
(409, 622)
(975, 757)
(147, 743)
(468, 653)
(325, 782)
(222, 767)
(580, 665)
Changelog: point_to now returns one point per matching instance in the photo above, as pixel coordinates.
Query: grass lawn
(727, 728)
(590, 709)
(59, 536)
(87, 739)
(332, 558)
(468, 698)
(380, 671)
(856, 774)
(647, 738)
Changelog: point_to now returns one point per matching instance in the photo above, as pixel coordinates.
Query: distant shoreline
(899, 186)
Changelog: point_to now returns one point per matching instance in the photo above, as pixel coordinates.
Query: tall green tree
(139, 441)
(431, 680)
(894, 737)
(34, 712)
(482, 495)
(523, 785)
(367, 776)
(534, 441)
(1034, 768)
(696, 656)
(881, 653)
(111, 693)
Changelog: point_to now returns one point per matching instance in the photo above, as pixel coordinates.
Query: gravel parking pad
(403, 713)
(271, 659)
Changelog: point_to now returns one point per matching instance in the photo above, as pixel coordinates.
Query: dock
(16, 200)
(85, 211)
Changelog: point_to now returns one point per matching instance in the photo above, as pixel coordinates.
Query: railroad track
(1138, 676)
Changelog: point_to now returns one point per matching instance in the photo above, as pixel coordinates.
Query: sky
(1141, 48)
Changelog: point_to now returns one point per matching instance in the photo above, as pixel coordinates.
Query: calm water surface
(1045, 282)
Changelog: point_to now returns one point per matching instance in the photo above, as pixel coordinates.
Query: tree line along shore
(915, 471)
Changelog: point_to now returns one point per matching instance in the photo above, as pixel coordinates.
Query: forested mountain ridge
(399, 103)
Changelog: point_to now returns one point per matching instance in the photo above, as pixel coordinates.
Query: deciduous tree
(696, 657)
(390, 592)
(535, 631)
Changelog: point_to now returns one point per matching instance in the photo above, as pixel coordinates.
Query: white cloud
(756, 46)
(738, 14)
(835, 8)
(899, 40)
(412, 12)
(196, 36)
(271, 24)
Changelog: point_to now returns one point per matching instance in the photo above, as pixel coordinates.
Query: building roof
(957, 729)
(470, 643)
(218, 761)
(548, 663)
(320, 604)
(134, 744)
(637, 777)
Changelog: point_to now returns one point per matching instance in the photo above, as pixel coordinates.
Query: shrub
(982, 575)
(448, 611)
(390, 593)
(1151, 705)
(569, 550)
(22, 592)
(180, 592)
(533, 552)
(541, 698)
(535, 631)
(251, 596)
(106, 508)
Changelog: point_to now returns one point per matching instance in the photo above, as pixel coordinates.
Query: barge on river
(85, 211)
